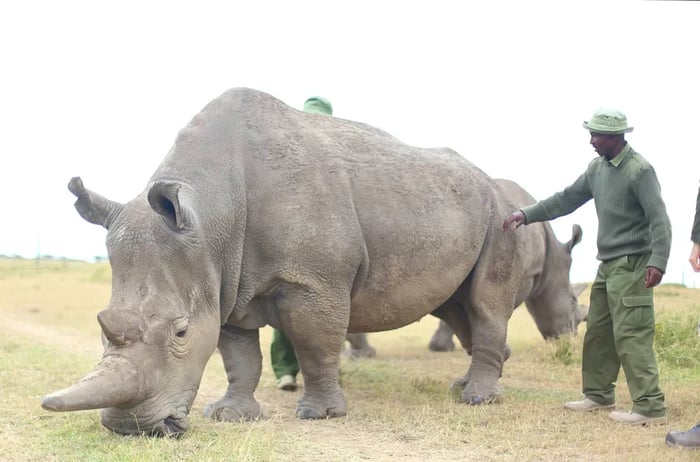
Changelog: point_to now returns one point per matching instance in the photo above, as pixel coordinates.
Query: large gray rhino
(262, 214)
(545, 288)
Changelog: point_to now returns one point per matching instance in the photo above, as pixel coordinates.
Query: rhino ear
(165, 198)
(91, 206)
(576, 235)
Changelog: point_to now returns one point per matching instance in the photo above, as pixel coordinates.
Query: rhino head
(554, 304)
(163, 319)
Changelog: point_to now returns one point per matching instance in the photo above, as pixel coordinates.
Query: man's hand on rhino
(514, 220)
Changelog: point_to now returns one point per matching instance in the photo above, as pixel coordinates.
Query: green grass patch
(677, 342)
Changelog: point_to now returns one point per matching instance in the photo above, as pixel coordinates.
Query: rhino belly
(389, 301)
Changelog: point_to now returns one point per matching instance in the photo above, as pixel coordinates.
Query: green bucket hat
(608, 122)
(318, 105)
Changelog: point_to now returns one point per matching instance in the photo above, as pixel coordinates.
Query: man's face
(604, 145)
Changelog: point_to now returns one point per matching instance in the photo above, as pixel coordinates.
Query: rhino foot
(355, 353)
(230, 410)
(466, 390)
(474, 395)
(315, 409)
(305, 413)
(434, 346)
(442, 339)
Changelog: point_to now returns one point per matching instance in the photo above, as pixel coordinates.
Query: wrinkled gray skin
(261, 214)
(545, 288)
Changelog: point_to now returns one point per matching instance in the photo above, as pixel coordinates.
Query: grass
(399, 404)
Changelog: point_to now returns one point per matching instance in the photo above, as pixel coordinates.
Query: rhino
(261, 214)
(548, 294)
(545, 289)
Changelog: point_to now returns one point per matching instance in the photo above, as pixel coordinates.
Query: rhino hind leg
(359, 347)
(488, 297)
(453, 321)
(442, 338)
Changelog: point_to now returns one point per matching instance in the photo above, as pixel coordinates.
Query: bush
(677, 342)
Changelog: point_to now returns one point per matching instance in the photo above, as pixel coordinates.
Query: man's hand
(695, 257)
(653, 277)
(514, 220)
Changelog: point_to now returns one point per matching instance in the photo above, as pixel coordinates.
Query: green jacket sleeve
(649, 196)
(561, 203)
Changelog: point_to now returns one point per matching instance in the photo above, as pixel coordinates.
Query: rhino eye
(180, 327)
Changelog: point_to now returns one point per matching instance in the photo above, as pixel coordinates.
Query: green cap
(608, 122)
(318, 105)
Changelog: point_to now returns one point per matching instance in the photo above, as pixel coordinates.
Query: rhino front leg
(322, 396)
(316, 325)
(240, 351)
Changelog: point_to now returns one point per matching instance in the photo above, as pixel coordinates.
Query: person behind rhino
(634, 242)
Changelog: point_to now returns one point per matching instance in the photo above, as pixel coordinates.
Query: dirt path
(65, 338)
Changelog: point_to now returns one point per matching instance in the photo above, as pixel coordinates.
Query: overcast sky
(100, 89)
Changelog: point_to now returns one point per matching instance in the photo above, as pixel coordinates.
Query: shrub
(677, 342)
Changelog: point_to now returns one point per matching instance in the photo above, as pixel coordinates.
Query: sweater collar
(617, 160)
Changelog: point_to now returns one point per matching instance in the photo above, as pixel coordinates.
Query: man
(283, 358)
(691, 438)
(634, 242)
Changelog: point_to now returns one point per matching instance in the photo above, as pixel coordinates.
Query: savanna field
(399, 403)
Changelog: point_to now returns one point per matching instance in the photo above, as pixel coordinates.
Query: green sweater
(632, 216)
(695, 236)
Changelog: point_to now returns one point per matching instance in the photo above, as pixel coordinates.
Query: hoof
(353, 353)
(441, 347)
(306, 413)
(226, 410)
(479, 400)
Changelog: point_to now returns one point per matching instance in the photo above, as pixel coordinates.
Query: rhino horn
(113, 382)
(121, 327)
(91, 206)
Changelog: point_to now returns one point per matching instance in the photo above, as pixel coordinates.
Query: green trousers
(620, 332)
(282, 356)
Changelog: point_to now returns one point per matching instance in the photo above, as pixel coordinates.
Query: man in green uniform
(691, 438)
(634, 242)
(282, 355)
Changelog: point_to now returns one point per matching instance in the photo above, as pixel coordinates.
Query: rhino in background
(264, 215)
(545, 288)
(548, 294)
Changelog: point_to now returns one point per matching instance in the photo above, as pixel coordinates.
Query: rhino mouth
(172, 426)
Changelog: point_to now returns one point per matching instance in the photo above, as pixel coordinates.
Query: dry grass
(399, 405)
